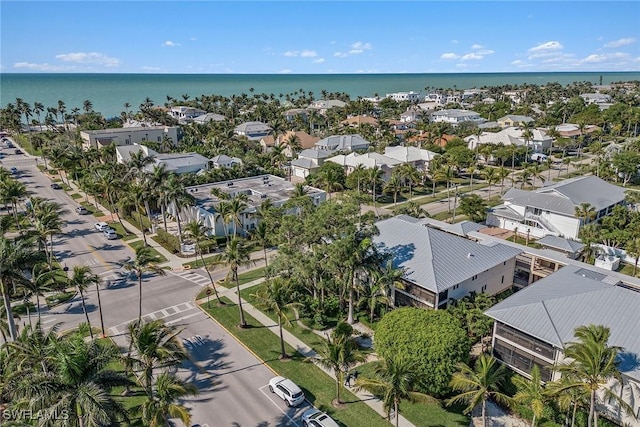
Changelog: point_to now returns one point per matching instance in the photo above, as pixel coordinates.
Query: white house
(410, 96)
(323, 105)
(173, 162)
(539, 140)
(514, 120)
(224, 161)
(368, 161)
(128, 135)
(253, 130)
(185, 114)
(257, 189)
(551, 209)
(415, 156)
(533, 327)
(308, 162)
(439, 266)
(209, 117)
(342, 143)
(456, 116)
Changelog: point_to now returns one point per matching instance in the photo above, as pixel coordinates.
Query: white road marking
(268, 396)
(170, 322)
(159, 314)
(193, 277)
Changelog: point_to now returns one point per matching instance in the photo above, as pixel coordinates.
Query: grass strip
(135, 245)
(319, 388)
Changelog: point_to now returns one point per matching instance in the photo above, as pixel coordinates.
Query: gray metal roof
(561, 243)
(434, 259)
(506, 212)
(550, 202)
(551, 308)
(310, 153)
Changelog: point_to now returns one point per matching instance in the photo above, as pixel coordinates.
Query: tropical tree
(146, 261)
(393, 186)
(479, 384)
(585, 213)
(43, 279)
(169, 389)
(447, 174)
(81, 278)
(591, 363)
(491, 176)
(531, 393)
(339, 353)
(374, 176)
(396, 379)
(261, 234)
(276, 297)
(235, 255)
(198, 233)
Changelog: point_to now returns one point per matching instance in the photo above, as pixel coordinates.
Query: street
(231, 380)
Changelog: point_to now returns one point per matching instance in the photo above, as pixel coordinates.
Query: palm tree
(276, 297)
(78, 386)
(374, 175)
(169, 389)
(479, 384)
(531, 393)
(43, 279)
(176, 194)
(155, 346)
(446, 173)
(589, 234)
(394, 186)
(136, 197)
(396, 379)
(234, 256)
(339, 353)
(81, 279)
(156, 181)
(146, 261)
(261, 235)
(491, 176)
(585, 213)
(47, 222)
(590, 366)
(237, 206)
(198, 233)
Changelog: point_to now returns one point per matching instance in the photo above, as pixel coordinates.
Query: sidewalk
(302, 348)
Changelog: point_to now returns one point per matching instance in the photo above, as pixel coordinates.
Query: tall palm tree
(198, 233)
(177, 195)
(491, 176)
(591, 363)
(169, 389)
(393, 186)
(136, 196)
(339, 353)
(155, 345)
(396, 379)
(531, 393)
(146, 261)
(236, 255)
(43, 279)
(374, 176)
(585, 213)
(479, 384)
(446, 173)
(276, 297)
(261, 234)
(156, 182)
(47, 221)
(237, 206)
(81, 279)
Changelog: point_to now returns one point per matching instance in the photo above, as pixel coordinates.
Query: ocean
(109, 92)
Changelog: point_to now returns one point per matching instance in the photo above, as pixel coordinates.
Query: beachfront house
(128, 136)
(257, 189)
(440, 267)
(253, 130)
(552, 209)
(456, 116)
(323, 105)
(410, 96)
(185, 114)
(533, 326)
(178, 163)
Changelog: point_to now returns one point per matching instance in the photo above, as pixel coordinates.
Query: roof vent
(469, 255)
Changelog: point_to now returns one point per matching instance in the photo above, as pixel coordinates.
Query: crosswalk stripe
(158, 314)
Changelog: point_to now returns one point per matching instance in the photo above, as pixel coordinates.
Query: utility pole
(455, 202)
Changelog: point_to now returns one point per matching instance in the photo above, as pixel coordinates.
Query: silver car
(316, 418)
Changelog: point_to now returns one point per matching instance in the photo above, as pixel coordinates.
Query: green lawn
(76, 196)
(628, 270)
(246, 277)
(421, 414)
(135, 245)
(92, 209)
(523, 241)
(122, 232)
(319, 388)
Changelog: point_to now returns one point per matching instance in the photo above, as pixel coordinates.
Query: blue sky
(318, 36)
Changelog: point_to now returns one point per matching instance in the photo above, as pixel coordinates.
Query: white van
(539, 157)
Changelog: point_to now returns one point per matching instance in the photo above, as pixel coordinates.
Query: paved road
(232, 382)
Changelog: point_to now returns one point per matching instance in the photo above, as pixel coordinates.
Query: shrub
(168, 241)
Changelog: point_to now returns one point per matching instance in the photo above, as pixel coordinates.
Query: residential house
(292, 113)
(571, 248)
(456, 116)
(551, 209)
(570, 130)
(410, 96)
(412, 114)
(209, 117)
(415, 156)
(533, 327)
(439, 267)
(178, 163)
(128, 136)
(368, 161)
(358, 120)
(308, 162)
(342, 143)
(323, 105)
(538, 142)
(596, 98)
(257, 189)
(253, 130)
(224, 161)
(306, 141)
(513, 120)
(185, 114)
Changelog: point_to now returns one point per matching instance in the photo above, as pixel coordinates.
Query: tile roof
(434, 259)
(551, 308)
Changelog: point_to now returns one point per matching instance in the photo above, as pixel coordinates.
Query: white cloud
(169, 43)
(455, 41)
(147, 68)
(89, 58)
(318, 60)
(359, 47)
(193, 38)
(449, 55)
(605, 57)
(41, 67)
(476, 46)
(308, 54)
(291, 53)
(621, 42)
(486, 52)
(340, 54)
(471, 57)
(285, 71)
(550, 45)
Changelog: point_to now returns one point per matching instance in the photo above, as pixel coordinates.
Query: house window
(502, 279)
(159, 139)
(474, 277)
(484, 288)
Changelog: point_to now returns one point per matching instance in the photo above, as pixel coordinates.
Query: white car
(316, 418)
(286, 390)
(110, 233)
(101, 226)
(539, 157)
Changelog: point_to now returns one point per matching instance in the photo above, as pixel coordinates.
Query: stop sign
(208, 292)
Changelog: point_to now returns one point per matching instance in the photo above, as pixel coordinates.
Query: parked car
(110, 233)
(56, 186)
(81, 210)
(17, 151)
(14, 170)
(316, 418)
(286, 390)
(539, 157)
(101, 226)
